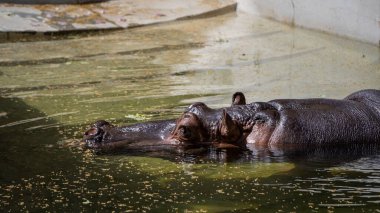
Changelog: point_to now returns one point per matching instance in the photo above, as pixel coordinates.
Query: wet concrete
(113, 14)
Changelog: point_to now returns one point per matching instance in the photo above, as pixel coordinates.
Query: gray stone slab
(22, 19)
(49, 1)
(112, 14)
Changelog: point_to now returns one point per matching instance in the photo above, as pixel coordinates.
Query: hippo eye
(185, 132)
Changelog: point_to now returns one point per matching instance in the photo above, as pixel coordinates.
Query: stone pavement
(113, 14)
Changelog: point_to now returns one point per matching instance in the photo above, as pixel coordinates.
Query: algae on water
(159, 167)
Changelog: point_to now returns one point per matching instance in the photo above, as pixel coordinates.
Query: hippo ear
(229, 129)
(238, 98)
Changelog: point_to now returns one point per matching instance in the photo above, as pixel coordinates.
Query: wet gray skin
(286, 122)
(103, 135)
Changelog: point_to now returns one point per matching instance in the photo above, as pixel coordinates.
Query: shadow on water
(29, 142)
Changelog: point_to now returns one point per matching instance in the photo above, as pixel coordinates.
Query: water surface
(51, 90)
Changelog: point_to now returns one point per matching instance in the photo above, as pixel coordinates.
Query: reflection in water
(210, 152)
(218, 180)
(352, 184)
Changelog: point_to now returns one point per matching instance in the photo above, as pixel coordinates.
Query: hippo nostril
(97, 134)
(94, 135)
(92, 132)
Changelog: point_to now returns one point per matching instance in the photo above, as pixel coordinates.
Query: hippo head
(201, 125)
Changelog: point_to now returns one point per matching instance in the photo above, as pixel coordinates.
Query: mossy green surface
(217, 171)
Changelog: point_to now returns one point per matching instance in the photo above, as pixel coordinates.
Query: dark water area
(51, 91)
(44, 169)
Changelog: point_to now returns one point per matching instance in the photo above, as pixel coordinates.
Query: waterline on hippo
(104, 136)
(284, 123)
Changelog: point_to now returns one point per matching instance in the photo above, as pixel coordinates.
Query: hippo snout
(96, 135)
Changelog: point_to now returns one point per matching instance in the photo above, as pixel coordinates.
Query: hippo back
(369, 97)
(355, 119)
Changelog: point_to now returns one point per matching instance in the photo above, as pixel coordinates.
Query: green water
(51, 90)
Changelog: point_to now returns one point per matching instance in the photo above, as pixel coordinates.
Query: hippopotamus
(104, 135)
(277, 123)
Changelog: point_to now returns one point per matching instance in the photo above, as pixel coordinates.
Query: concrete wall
(358, 19)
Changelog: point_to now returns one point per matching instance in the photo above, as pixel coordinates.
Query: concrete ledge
(50, 1)
(357, 19)
(113, 14)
